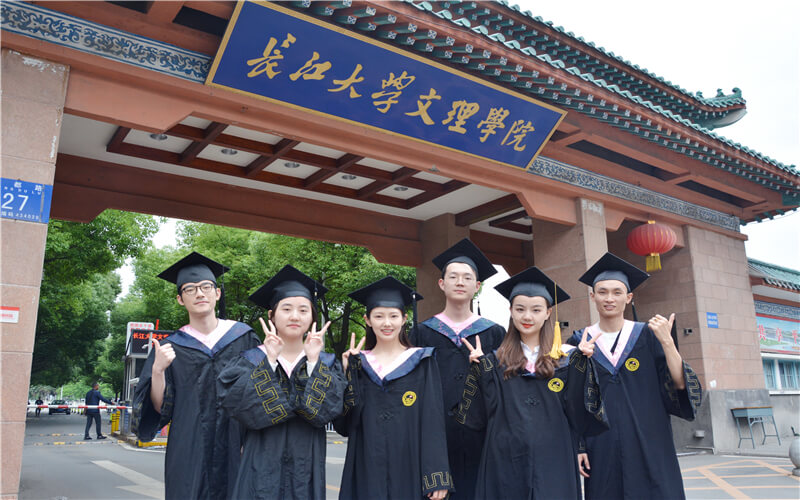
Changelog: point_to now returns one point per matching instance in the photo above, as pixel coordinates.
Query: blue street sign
(711, 320)
(27, 201)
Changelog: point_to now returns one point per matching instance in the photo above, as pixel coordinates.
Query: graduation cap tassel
(555, 351)
(479, 307)
(633, 310)
(414, 309)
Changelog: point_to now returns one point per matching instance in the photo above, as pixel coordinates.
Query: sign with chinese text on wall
(276, 54)
(28, 201)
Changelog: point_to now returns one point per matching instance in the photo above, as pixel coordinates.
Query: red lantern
(652, 240)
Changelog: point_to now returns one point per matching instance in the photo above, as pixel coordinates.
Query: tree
(78, 291)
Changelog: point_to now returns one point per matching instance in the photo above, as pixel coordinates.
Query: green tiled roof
(628, 79)
(782, 277)
(628, 82)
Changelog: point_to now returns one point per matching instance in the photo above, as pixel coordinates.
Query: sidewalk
(134, 441)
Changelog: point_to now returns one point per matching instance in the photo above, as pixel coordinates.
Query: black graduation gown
(204, 445)
(636, 458)
(284, 417)
(531, 427)
(452, 357)
(396, 446)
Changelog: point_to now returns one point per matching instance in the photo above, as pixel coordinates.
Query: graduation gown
(284, 417)
(396, 446)
(636, 457)
(452, 357)
(204, 445)
(531, 427)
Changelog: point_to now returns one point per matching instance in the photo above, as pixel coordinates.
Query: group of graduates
(457, 407)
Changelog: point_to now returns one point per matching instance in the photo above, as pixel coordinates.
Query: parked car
(59, 410)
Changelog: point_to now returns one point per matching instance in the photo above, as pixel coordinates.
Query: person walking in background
(39, 410)
(94, 397)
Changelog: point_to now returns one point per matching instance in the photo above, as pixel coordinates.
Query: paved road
(58, 464)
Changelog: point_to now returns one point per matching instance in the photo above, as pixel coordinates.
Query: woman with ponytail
(533, 396)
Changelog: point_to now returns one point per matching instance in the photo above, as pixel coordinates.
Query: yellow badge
(555, 384)
(409, 398)
(632, 364)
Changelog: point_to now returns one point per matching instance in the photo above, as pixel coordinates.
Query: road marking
(778, 469)
(145, 485)
(331, 487)
(721, 483)
(334, 460)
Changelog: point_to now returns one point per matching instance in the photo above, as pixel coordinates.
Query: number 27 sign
(27, 201)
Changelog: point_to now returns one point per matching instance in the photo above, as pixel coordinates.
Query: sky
(702, 46)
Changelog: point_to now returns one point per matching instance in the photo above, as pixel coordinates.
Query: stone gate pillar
(565, 252)
(33, 93)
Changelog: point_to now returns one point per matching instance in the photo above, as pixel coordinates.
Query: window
(769, 373)
(789, 374)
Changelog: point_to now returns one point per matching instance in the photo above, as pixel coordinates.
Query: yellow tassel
(653, 262)
(556, 352)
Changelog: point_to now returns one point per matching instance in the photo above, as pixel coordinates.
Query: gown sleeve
(351, 400)
(146, 421)
(583, 403)
(478, 394)
(434, 466)
(252, 394)
(682, 403)
(319, 396)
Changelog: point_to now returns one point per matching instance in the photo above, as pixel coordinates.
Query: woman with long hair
(283, 393)
(533, 396)
(393, 415)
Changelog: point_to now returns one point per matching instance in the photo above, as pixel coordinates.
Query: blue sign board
(273, 53)
(711, 320)
(25, 200)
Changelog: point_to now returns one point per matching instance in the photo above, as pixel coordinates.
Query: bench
(755, 415)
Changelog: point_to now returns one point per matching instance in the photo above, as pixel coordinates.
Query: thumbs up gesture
(164, 356)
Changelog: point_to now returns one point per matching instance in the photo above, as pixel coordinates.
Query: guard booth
(401, 127)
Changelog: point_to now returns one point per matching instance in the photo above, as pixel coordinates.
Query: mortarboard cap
(193, 268)
(532, 282)
(386, 292)
(288, 282)
(611, 267)
(466, 252)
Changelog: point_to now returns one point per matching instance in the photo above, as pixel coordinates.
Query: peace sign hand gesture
(353, 349)
(474, 352)
(315, 341)
(272, 343)
(587, 346)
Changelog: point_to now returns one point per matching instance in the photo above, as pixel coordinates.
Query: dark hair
(314, 317)
(510, 353)
(372, 339)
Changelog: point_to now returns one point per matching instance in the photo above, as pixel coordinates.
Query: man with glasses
(463, 268)
(177, 386)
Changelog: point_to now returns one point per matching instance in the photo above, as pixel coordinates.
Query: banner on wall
(778, 333)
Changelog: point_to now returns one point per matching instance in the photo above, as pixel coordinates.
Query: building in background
(776, 294)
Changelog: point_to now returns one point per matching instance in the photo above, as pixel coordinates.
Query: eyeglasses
(192, 289)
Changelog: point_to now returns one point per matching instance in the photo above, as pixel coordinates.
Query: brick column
(437, 235)
(33, 93)
(565, 252)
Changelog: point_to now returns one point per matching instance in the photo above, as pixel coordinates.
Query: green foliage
(78, 290)
(77, 390)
